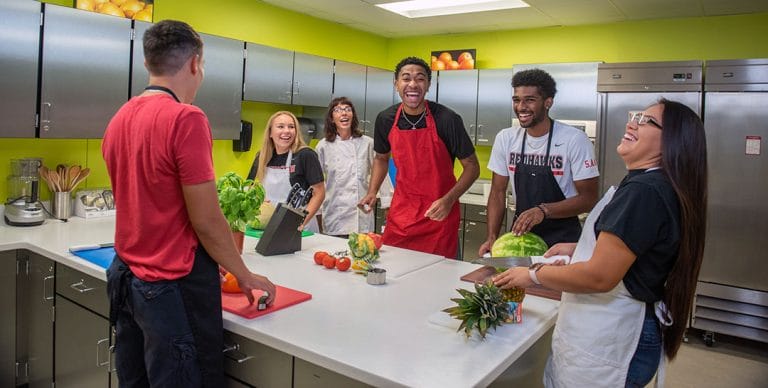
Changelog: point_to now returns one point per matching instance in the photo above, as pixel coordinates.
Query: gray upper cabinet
(268, 74)
(85, 71)
(220, 95)
(378, 96)
(349, 81)
(19, 53)
(576, 97)
(312, 80)
(494, 104)
(457, 90)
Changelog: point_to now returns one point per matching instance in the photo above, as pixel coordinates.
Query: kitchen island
(388, 335)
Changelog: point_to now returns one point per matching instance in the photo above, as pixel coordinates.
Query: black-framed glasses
(641, 118)
(340, 109)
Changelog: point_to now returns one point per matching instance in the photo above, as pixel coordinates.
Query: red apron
(424, 174)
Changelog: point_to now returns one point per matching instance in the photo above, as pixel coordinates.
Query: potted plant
(240, 200)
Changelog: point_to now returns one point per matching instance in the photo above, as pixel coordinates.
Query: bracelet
(532, 272)
(544, 210)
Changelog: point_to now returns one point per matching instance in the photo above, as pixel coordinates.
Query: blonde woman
(284, 160)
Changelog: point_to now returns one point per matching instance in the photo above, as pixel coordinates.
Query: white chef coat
(347, 167)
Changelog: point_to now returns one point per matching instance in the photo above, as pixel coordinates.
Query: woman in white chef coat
(346, 157)
(285, 160)
(629, 287)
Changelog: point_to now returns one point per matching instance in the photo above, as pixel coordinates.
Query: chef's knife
(505, 262)
(305, 198)
(88, 247)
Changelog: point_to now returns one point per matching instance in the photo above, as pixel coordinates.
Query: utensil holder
(376, 276)
(62, 205)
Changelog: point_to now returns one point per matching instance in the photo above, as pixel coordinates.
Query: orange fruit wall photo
(446, 61)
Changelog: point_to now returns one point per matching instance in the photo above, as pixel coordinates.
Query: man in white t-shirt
(552, 167)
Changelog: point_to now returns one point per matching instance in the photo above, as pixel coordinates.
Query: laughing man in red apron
(424, 138)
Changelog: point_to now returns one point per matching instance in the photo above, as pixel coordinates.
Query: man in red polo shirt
(170, 233)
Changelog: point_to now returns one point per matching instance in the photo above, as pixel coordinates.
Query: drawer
(256, 364)
(306, 375)
(475, 213)
(82, 289)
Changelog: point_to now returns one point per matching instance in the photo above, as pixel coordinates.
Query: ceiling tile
(660, 9)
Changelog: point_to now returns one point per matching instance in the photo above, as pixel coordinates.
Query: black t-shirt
(450, 129)
(305, 167)
(645, 214)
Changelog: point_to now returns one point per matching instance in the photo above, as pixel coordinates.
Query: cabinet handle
(233, 353)
(483, 213)
(471, 126)
(100, 363)
(45, 292)
(45, 117)
(81, 287)
(296, 90)
(479, 126)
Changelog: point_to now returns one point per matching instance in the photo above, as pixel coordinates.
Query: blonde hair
(268, 146)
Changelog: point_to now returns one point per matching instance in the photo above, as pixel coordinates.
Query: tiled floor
(731, 362)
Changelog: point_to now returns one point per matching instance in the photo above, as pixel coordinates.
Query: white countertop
(388, 335)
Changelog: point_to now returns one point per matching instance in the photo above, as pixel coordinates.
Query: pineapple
(484, 309)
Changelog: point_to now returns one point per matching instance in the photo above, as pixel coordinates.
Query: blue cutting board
(101, 257)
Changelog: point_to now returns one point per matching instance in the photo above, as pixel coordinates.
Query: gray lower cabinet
(8, 319)
(86, 57)
(35, 320)
(82, 341)
(308, 375)
(255, 364)
(19, 55)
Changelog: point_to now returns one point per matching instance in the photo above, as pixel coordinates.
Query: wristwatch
(535, 267)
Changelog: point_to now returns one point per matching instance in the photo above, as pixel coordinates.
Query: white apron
(277, 186)
(347, 168)
(596, 335)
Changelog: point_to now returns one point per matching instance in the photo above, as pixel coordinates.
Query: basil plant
(239, 199)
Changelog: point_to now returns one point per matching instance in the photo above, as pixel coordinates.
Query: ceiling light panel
(427, 8)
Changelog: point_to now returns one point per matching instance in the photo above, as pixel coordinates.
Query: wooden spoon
(80, 177)
(55, 180)
(43, 171)
(74, 171)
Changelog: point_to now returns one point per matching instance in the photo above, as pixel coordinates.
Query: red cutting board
(238, 303)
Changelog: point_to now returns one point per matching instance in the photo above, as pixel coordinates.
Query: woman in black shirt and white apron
(628, 290)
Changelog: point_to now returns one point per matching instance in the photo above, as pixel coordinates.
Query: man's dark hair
(413, 61)
(168, 45)
(536, 77)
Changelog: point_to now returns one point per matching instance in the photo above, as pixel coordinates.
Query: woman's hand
(565, 249)
(513, 277)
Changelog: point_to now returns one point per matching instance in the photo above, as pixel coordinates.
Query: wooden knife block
(282, 233)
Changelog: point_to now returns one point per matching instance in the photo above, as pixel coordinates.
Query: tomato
(343, 263)
(464, 56)
(329, 262)
(453, 65)
(467, 64)
(319, 256)
(377, 242)
(230, 284)
(445, 57)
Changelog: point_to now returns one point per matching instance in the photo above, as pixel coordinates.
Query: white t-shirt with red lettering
(571, 155)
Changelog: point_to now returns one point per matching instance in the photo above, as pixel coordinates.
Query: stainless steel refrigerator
(732, 295)
(628, 87)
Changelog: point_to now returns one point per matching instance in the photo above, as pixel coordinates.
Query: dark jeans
(169, 333)
(645, 362)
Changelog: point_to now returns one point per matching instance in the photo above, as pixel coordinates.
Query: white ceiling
(364, 15)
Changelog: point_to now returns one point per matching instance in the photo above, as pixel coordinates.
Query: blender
(23, 207)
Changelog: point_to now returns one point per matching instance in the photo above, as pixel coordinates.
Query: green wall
(726, 37)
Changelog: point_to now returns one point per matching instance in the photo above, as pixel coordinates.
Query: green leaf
(239, 199)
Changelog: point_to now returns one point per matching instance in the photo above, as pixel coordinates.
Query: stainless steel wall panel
(738, 214)
(494, 104)
(379, 87)
(312, 80)
(139, 73)
(221, 94)
(268, 74)
(737, 75)
(457, 89)
(19, 55)
(86, 57)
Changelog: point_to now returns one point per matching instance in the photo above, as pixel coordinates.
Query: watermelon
(527, 244)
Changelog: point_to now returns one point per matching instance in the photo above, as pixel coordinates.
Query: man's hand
(367, 203)
(486, 247)
(527, 220)
(252, 281)
(439, 209)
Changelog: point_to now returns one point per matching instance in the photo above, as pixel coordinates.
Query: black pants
(169, 333)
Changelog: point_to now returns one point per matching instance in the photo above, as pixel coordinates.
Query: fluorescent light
(425, 8)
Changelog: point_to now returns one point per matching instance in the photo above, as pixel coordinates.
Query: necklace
(413, 124)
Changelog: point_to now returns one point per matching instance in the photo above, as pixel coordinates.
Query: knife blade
(505, 262)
